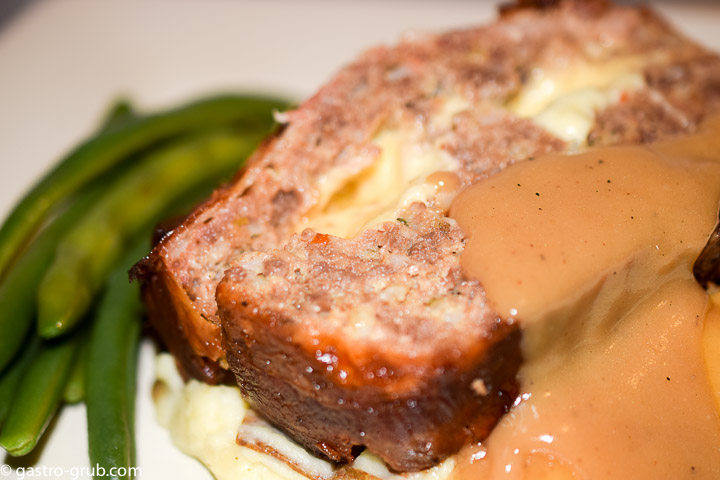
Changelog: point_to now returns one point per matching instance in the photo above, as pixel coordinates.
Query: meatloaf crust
(240, 284)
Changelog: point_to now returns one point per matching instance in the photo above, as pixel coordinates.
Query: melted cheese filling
(349, 203)
(565, 102)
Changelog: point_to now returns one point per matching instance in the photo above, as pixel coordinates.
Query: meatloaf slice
(376, 341)
(326, 277)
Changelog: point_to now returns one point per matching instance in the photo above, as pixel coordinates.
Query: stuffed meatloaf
(327, 279)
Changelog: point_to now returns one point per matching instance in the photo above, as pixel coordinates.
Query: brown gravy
(593, 254)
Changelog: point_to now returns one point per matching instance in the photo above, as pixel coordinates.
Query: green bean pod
(11, 377)
(18, 290)
(38, 396)
(74, 391)
(119, 113)
(111, 370)
(114, 146)
(87, 253)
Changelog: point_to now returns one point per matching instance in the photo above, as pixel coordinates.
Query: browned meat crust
(416, 385)
(414, 429)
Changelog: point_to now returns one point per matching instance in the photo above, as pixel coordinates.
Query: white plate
(63, 61)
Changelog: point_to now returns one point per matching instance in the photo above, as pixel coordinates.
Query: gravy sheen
(592, 253)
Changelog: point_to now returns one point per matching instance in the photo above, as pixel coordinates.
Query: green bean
(11, 377)
(111, 370)
(113, 147)
(75, 388)
(18, 290)
(88, 252)
(119, 113)
(38, 396)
